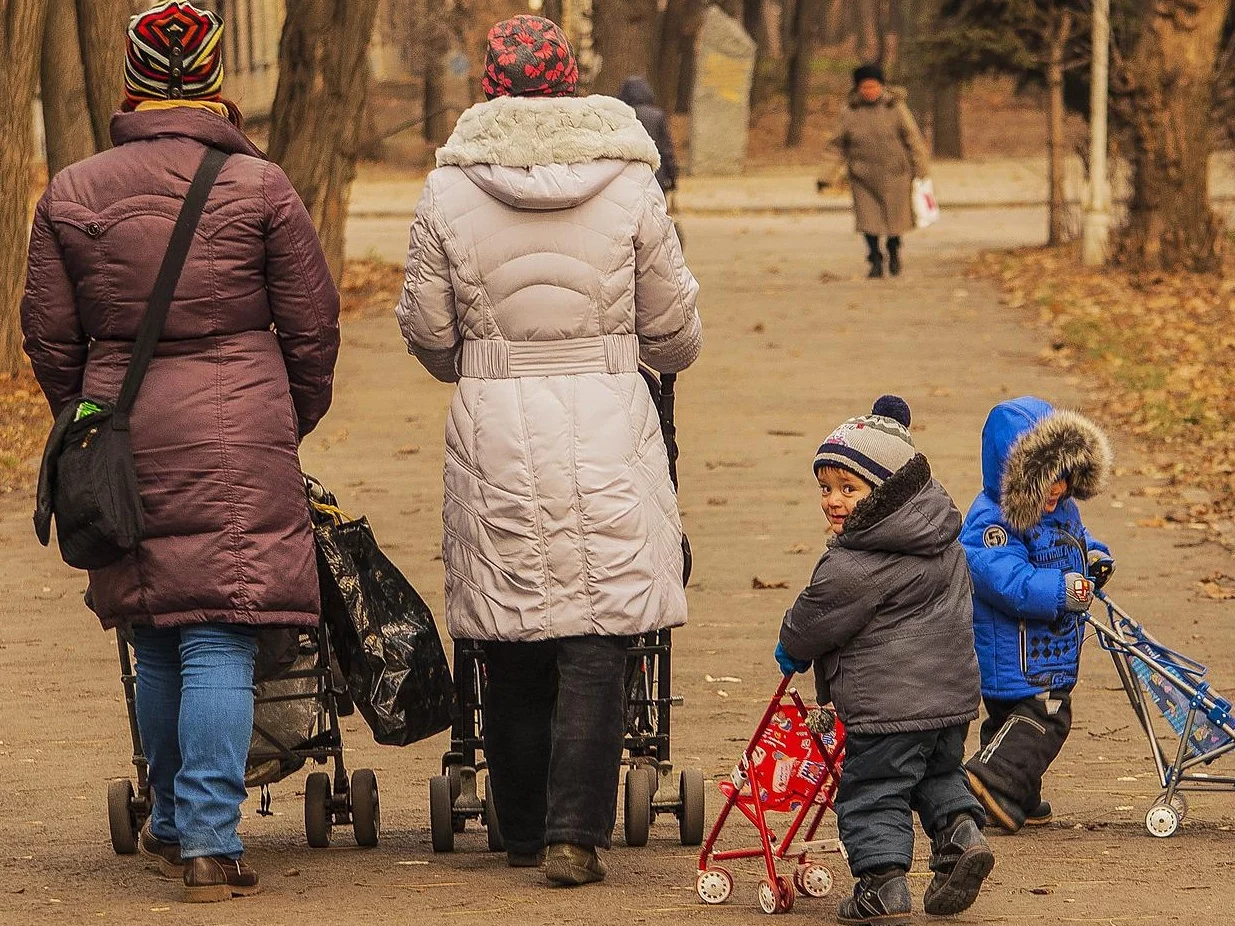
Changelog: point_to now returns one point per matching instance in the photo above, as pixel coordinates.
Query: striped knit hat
(174, 53)
(873, 446)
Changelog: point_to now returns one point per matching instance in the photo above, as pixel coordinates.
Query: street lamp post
(1097, 227)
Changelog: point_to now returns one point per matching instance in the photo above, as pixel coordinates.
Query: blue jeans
(195, 714)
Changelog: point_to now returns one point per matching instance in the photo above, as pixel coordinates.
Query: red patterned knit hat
(529, 56)
(174, 53)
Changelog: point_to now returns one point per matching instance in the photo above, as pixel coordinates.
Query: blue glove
(789, 665)
(1101, 567)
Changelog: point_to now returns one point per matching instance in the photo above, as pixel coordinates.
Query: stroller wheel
(714, 885)
(121, 819)
(441, 813)
(366, 811)
(1178, 801)
(690, 823)
(769, 896)
(813, 880)
(785, 890)
(638, 805)
(492, 830)
(318, 814)
(1162, 820)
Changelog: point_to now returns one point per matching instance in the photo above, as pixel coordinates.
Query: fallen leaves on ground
(24, 423)
(759, 584)
(370, 285)
(1157, 359)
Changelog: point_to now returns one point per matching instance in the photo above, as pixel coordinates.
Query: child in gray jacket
(888, 622)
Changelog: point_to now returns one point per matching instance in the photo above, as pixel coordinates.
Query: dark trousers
(872, 245)
(1020, 740)
(554, 723)
(888, 777)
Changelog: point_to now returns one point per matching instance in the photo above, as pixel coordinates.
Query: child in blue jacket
(1034, 569)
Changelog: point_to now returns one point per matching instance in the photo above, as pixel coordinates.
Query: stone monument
(720, 104)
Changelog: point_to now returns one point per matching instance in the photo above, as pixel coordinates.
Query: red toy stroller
(791, 765)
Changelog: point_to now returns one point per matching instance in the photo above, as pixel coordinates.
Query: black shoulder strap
(165, 284)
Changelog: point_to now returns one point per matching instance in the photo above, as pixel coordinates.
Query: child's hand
(1101, 567)
(789, 665)
(1078, 592)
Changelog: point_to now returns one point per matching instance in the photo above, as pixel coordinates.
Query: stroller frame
(1126, 639)
(713, 883)
(327, 802)
(651, 787)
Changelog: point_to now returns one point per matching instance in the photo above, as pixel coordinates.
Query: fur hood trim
(1062, 442)
(532, 131)
(895, 491)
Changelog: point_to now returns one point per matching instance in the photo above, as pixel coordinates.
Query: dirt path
(787, 357)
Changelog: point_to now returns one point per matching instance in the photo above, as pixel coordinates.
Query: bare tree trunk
(625, 33)
(947, 142)
(1057, 231)
(101, 27)
(66, 116)
(317, 117)
(21, 32)
(1171, 74)
(676, 25)
(911, 70)
(870, 46)
(801, 52)
(754, 21)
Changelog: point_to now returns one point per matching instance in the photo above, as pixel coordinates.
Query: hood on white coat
(547, 152)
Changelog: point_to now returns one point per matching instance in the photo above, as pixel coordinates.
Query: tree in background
(67, 128)
(807, 17)
(626, 34)
(1167, 82)
(318, 114)
(21, 30)
(1032, 40)
(101, 26)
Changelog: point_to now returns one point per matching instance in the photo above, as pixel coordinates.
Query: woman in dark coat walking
(244, 369)
(883, 150)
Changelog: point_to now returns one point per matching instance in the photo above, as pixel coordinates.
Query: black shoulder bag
(88, 479)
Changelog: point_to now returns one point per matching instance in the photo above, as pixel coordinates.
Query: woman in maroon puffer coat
(244, 369)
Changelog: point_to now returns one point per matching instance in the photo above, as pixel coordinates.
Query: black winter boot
(961, 859)
(874, 257)
(880, 898)
(1041, 815)
(894, 256)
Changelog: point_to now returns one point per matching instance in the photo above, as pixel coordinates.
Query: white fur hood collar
(536, 131)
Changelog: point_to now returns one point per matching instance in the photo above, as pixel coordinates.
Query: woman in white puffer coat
(543, 268)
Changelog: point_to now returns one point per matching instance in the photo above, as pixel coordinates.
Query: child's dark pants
(553, 727)
(885, 778)
(1020, 740)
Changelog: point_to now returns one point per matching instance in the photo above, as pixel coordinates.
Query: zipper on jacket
(1024, 651)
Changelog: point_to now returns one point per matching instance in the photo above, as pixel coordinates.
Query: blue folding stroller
(1159, 681)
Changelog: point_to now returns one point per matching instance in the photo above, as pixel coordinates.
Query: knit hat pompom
(894, 407)
(873, 446)
(529, 56)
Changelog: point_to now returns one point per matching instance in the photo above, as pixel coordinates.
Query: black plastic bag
(383, 633)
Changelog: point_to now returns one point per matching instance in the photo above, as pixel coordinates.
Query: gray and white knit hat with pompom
(873, 446)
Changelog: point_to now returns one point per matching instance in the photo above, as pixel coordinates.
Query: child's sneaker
(961, 860)
(1040, 815)
(879, 899)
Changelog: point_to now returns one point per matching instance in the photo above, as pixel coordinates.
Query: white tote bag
(925, 207)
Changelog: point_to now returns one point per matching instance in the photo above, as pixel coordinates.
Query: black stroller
(296, 714)
(652, 788)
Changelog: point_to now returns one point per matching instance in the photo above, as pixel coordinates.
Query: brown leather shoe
(164, 857)
(212, 878)
(572, 866)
